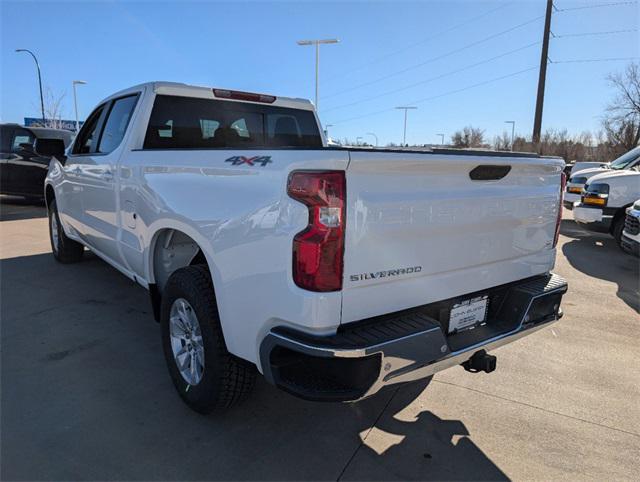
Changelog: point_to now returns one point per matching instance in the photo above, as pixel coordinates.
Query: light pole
(317, 44)
(75, 101)
(326, 130)
(442, 139)
(39, 82)
(372, 134)
(358, 140)
(513, 131)
(405, 108)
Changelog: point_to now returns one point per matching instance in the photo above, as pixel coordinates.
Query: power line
(587, 34)
(439, 57)
(613, 4)
(415, 84)
(451, 92)
(420, 42)
(576, 61)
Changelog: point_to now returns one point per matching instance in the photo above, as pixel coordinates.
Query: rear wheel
(65, 250)
(205, 374)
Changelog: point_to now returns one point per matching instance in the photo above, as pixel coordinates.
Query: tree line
(620, 130)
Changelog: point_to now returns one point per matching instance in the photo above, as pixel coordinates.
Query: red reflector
(237, 95)
(563, 183)
(318, 249)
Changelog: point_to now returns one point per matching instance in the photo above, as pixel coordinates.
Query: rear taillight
(318, 249)
(563, 183)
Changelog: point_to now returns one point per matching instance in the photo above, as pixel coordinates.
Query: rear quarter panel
(244, 222)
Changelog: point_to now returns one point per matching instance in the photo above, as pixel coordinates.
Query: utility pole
(544, 58)
(441, 138)
(405, 108)
(317, 45)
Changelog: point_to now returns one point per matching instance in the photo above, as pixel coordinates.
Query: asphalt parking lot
(85, 394)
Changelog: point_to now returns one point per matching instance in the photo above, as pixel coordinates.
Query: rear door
(97, 178)
(27, 170)
(427, 227)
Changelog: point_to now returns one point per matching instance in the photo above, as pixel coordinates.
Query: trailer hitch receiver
(480, 361)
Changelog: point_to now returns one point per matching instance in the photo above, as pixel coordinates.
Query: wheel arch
(620, 213)
(173, 246)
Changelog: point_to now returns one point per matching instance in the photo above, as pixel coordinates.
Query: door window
(88, 135)
(21, 136)
(117, 123)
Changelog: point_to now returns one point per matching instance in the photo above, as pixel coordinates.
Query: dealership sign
(69, 125)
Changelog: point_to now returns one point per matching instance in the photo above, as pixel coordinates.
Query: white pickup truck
(334, 272)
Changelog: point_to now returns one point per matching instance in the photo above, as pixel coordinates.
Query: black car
(22, 171)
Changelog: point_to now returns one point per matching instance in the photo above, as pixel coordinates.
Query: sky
(461, 62)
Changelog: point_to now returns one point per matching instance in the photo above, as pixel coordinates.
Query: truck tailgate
(420, 230)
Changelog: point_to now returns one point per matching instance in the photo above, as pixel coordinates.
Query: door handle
(107, 176)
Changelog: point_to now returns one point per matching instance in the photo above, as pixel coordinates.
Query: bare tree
(503, 142)
(621, 121)
(53, 108)
(468, 137)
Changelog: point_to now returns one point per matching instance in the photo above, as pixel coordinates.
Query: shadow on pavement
(13, 208)
(85, 395)
(411, 443)
(598, 255)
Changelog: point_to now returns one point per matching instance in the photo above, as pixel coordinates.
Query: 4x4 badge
(252, 161)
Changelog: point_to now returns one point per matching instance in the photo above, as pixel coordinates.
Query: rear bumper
(364, 357)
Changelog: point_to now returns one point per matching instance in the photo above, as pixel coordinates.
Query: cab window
(21, 136)
(88, 135)
(117, 122)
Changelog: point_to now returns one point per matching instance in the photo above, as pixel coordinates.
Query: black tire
(226, 379)
(66, 250)
(617, 228)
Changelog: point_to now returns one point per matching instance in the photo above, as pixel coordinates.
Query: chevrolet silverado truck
(333, 272)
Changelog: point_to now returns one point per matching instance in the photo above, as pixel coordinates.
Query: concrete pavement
(85, 394)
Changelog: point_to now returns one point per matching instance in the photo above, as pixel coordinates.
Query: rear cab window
(191, 123)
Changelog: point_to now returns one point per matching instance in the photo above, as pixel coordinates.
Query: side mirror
(26, 146)
(50, 148)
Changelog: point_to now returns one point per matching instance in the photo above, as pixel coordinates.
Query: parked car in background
(578, 179)
(579, 166)
(605, 199)
(22, 171)
(631, 233)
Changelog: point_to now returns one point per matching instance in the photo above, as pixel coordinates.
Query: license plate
(468, 314)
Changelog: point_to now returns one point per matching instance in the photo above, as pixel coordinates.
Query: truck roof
(204, 92)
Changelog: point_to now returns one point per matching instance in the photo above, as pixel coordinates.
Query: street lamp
(442, 137)
(317, 44)
(372, 134)
(358, 141)
(39, 82)
(405, 108)
(326, 130)
(513, 131)
(75, 101)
